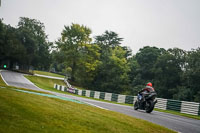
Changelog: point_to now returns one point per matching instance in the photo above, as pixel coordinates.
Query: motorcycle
(146, 103)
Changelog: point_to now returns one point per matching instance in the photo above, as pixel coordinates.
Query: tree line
(26, 44)
(101, 63)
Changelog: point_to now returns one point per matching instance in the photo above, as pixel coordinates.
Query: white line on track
(96, 105)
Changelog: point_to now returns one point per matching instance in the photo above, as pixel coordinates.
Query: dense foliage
(101, 63)
(26, 45)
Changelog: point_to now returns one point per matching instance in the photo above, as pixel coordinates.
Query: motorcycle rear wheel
(149, 106)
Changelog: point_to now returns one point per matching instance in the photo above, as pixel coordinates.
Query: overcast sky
(160, 23)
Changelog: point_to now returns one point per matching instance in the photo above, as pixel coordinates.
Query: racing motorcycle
(147, 102)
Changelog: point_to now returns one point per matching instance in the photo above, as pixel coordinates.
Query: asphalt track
(174, 122)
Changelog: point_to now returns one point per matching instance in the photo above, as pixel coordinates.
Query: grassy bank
(22, 112)
(55, 75)
(44, 83)
(48, 74)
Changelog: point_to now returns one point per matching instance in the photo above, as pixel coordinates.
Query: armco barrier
(121, 98)
(108, 96)
(83, 92)
(129, 99)
(92, 94)
(199, 109)
(164, 104)
(174, 105)
(97, 94)
(190, 108)
(102, 95)
(161, 104)
(114, 97)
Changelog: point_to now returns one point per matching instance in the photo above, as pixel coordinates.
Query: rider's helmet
(149, 84)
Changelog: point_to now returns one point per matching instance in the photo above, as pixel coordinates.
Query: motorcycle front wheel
(136, 105)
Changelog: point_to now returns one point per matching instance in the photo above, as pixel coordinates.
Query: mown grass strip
(44, 83)
(22, 112)
(49, 95)
(48, 74)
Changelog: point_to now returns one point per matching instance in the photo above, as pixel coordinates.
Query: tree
(107, 40)
(192, 74)
(79, 54)
(113, 72)
(33, 37)
(118, 72)
(113, 76)
(146, 58)
(2, 39)
(88, 64)
(167, 75)
(136, 82)
(11, 48)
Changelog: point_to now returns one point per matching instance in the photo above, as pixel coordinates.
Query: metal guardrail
(192, 108)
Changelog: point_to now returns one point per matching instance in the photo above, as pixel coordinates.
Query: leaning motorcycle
(146, 103)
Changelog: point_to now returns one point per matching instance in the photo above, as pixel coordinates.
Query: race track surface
(174, 122)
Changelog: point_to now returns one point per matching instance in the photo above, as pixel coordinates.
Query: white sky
(160, 23)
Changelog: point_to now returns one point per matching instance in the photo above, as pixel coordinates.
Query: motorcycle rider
(147, 89)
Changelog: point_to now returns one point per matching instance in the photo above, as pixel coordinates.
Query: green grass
(2, 83)
(55, 75)
(23, 112)
(48, 74)
(45, 83)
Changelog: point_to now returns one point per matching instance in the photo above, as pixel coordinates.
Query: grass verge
(22, 112)
(44, 83)
(180, 114)
(2, 83)
(48, 74)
